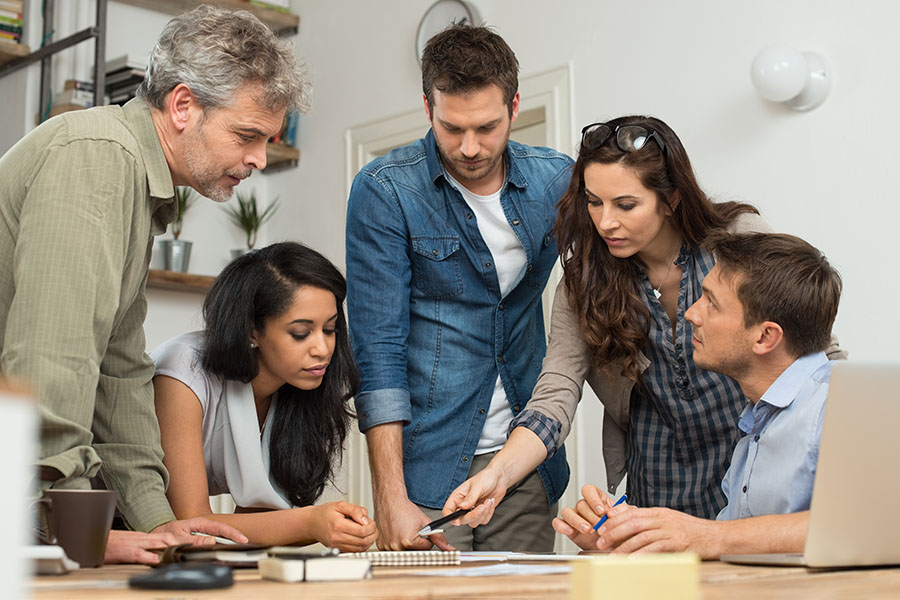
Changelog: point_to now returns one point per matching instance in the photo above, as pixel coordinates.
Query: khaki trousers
(521, 522)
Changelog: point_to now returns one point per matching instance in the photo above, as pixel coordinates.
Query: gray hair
(215, 52)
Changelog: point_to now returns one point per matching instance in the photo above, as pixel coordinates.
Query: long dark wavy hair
(309, 426)
(604, 290)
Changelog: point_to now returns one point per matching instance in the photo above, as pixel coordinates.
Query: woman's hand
(344, 526)
(481, 493)
(577, 524)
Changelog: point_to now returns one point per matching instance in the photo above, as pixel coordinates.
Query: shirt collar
(159, 177)
(784, 389)
(514, 174)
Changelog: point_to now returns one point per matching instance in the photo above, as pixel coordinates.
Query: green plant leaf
(184, 199)
(247, 217)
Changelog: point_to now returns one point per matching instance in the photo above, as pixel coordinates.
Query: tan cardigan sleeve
(565, 366)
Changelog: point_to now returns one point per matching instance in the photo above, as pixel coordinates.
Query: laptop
(854, 518)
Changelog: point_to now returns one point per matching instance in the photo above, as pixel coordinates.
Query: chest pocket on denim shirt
(436, 270)
(540, 272)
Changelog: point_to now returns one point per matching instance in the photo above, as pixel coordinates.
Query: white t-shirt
(510, 261)
(236, 455)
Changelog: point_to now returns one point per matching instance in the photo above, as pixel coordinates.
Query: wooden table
(718, 581)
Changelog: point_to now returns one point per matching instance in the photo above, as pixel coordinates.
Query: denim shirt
(428, 325)
(774, 464)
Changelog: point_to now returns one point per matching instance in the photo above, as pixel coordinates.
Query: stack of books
(123, 76)
(76, 95)
(11, 21)
(287, 136)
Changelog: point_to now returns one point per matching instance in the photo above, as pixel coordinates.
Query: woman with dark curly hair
(630, 230)
(256, 404)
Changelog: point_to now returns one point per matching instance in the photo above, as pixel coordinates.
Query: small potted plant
(249, 218)
(177, 252)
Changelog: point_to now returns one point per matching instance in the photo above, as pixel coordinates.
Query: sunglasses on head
(629, 138)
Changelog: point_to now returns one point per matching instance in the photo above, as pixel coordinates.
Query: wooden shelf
(181, 282)
(281, 23)
(10, 51)
(279, 156)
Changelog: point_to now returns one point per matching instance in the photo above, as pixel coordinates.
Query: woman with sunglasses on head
(256, 404)
(630, 229)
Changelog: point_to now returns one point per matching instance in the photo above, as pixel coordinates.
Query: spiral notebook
(407, 558)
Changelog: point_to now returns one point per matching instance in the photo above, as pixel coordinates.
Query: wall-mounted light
(800, 80)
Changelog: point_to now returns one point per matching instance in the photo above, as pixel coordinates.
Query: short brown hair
(463, 58)
(784, 279)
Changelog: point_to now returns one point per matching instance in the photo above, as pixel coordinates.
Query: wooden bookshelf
(180, 282)
(10, 51)
(279, 156)
(281, 23)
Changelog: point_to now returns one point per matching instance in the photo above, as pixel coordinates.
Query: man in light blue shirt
(764, 319)
(774, 464)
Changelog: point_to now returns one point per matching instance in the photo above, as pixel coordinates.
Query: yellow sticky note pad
(671, 576)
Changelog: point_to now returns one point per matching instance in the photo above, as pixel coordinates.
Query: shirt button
(469, 217)
(465, 459)
(481, 411)
(487, 265)
(501, 307)
(515, 221)
(500, 358)
(516, 408)
(745, 489)
(530, 267)
(435, 252)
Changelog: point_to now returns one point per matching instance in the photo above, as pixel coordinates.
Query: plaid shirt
(683, 419)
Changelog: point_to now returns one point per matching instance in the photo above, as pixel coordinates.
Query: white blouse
(236, 455)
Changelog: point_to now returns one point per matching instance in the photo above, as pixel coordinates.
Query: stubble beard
(206, 176)
(471, 175)
(733, 364)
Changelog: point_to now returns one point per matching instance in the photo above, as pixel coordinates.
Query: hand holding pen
(605, 516)
(581, 522)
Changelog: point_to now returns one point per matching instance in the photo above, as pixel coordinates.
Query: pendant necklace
(656, 291)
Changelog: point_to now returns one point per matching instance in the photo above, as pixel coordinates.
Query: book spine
(77, 84)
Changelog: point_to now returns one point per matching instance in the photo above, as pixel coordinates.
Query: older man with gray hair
(81, 198)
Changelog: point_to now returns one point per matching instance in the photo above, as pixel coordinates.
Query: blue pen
(604, 517)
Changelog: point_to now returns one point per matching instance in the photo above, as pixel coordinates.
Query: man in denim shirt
(764, 319)
(449, 247)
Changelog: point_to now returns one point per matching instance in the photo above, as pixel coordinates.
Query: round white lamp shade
(800, 80)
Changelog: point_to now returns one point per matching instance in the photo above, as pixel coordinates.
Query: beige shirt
(568, 365)
(80, 198)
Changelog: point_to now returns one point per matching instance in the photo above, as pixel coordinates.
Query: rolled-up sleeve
(378, 289)
(541, 425)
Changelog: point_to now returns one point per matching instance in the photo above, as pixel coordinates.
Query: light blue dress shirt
(774, 464)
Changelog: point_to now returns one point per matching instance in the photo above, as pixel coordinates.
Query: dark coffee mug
(79, 521)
